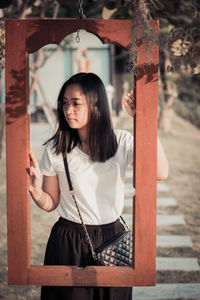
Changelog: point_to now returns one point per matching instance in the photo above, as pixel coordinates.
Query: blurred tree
(179, 42)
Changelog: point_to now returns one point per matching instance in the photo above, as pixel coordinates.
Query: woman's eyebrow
(74, 98)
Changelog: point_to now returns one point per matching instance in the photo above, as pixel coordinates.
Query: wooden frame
(22, 38)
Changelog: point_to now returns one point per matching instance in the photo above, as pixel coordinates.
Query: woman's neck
(84, 138)
(83, 135)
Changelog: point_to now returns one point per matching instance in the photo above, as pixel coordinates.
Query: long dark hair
(102, 139)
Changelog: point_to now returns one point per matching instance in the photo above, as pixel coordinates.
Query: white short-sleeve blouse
(98, 187)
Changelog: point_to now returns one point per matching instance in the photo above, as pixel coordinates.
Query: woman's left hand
(129, 104)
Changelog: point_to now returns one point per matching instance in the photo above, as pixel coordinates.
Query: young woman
(97, 157)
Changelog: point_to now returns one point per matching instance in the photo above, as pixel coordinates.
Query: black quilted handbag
(116, 252)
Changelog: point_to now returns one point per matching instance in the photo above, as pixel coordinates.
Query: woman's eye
(66, 104)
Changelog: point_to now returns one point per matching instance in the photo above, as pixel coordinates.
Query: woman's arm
(43, 189)
(162, 163)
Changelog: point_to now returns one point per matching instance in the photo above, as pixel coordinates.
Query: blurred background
(178, 200)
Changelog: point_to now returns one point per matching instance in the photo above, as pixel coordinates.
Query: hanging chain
(83, 16)
(81, 9)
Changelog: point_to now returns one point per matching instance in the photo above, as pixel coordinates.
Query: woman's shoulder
(50, 160)
(48, 146)
(123, 136)
(49, 149)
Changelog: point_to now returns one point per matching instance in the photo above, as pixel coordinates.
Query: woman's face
(75, 107)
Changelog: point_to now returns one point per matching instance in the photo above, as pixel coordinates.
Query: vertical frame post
(145, 158)
(17, 147)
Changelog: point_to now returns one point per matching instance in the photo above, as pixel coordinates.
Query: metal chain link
(78, 36)
(84, 228)
(83, 16)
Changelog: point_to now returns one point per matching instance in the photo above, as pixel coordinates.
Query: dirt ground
(182, 146)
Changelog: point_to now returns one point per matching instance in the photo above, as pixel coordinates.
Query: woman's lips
(71, 120)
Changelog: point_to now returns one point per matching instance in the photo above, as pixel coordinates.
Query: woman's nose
(69, 109)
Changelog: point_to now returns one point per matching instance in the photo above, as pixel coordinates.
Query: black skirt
(67, 245)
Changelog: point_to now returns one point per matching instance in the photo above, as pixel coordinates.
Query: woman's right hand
(35, 174)
(129, 103)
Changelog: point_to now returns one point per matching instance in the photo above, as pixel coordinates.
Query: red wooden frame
(22, 38)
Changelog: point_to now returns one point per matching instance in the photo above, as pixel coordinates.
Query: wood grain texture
(40, 32)
(17, 145)
(145, 158)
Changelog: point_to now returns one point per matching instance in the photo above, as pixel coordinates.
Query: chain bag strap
(74, 198)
